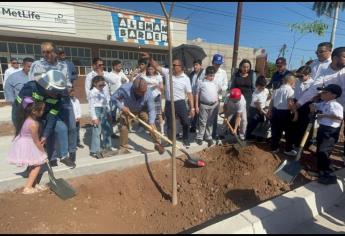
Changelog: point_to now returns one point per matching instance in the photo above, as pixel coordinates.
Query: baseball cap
(218, 59)
(60, 50)
(235, 93)
(333, 88)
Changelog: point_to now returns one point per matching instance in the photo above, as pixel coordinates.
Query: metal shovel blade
(62, 188)
(59, 186)
(288, 170)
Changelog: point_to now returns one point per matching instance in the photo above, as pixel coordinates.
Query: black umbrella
(188, 53)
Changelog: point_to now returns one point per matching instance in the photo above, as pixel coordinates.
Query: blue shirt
(277, 79)
(125, 96)
(43, 66)
(71, 70)
(14, 84)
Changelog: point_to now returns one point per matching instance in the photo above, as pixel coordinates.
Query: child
(330, 116)
(235, 109)
(302, 84)
(101, 118)
(26, 149)
(206, 95)
(77, 113)
(256, 109)
(282, 115)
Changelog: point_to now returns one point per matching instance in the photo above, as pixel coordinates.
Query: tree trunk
(335, 21)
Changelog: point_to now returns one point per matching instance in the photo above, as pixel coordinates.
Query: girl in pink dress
(26, 149)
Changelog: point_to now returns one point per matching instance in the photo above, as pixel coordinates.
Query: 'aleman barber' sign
(140, 30)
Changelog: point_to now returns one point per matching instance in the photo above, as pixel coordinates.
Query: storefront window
(12, 47)
(29, 49)
(3, 47)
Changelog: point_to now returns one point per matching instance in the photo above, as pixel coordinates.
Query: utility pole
(237, 37)
(173, 120)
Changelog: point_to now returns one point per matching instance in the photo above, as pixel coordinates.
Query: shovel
(194, 161)
(241, 144)
(59, 186)
(288, 170)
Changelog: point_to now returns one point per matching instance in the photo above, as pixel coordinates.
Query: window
(87, 52)
(67, 51)
(81, 52)
(130, 55)
(114, 54)
(125, 55)
(29, 48)
(74, 52)
(102, 54)
(108, 54)
(120, 54)
(37, 49)
(3, 47)
(12, 47)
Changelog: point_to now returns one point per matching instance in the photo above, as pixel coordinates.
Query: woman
(244, 79)
(155, 83)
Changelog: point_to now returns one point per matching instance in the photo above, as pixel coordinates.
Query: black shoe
(192, 130)
(210, 142)
(199, 141)
(80, 145)
(221, 137)
(186, 143)
(68, 162)
(53, 163)
(72, 156)
(97, 155)
(114, 136)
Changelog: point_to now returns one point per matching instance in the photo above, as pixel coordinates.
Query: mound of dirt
(138, 200)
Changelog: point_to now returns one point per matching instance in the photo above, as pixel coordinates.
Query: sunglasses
(14, 62)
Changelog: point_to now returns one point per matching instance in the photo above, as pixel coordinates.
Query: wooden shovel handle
(150, 128)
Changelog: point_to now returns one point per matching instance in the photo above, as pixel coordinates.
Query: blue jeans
(14, 113)
(65, 131)
(103, 128)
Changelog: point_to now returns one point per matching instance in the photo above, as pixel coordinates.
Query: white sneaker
(291, 153)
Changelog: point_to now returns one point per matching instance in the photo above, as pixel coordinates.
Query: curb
(118, 162)
(283, 213)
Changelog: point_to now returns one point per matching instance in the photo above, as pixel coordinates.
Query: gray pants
(207, 115)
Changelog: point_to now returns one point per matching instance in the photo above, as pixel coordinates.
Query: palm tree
(330, 9)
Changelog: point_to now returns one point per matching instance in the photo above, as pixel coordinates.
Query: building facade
(88, 30)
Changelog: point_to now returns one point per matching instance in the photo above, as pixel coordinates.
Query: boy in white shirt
(235, 110)
(77, 113)
(330, 116)
(206, 95)
(256, 109)
(282, 115)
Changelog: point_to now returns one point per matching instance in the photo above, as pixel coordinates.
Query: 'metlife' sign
(47, 16)
(140, 30)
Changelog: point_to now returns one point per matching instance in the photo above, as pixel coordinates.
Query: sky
(264, 25)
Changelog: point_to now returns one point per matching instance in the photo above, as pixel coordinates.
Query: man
(140, 70)
(64, 131)
(222, 79)
(323, 53)
(70, 66)
(338, 55)
(97, 69)
(14, 68)
(15, 83)
(136, 98)
(277, 77)
(182, 86)
(197, 74)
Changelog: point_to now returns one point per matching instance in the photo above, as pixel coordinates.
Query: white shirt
(280, 97)
(317, 66)
(208, 90)
(89, 78)
(76, 107)
(116, 80)
(152, 82)
(325, 72)
(221, 78)
(236, 107)
(8, 72)
(260, 97)
(330, 108)
(326, 79)
(181, 85)
(301, 87)
(98, 99)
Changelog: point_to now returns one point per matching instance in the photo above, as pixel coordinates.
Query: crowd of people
(46, 113)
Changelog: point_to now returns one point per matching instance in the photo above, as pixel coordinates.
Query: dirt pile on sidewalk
(137, 200)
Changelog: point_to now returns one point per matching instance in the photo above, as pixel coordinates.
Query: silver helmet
(53, 80)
